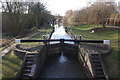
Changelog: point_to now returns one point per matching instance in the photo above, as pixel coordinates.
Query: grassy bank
(11, 63)
(39, 36)
(111, 59)
(44, 32)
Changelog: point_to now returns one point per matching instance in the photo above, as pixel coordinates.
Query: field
(110, 59)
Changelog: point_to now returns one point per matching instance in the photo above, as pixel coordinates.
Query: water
(62, 58)
(53, 68)
(60, 34)
(62, 65)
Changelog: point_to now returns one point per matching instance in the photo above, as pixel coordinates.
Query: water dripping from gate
(62, 58)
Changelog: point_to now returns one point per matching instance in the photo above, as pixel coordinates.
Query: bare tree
(96, 13)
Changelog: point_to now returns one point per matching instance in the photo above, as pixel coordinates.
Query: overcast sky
(61, 6)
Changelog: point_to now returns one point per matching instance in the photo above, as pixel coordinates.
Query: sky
(61, 6)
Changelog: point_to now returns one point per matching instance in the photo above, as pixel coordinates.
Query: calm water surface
(53, 68)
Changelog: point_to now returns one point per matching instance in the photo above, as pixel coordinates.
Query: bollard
(44, 37)
(92, 32)
(80, 37)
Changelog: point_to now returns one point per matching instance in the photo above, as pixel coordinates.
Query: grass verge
(10, 65)
(110, 59)
(39, 36)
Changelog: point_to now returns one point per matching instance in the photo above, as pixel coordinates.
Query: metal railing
(76, 41)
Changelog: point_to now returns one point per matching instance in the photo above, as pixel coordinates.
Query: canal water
(62, 65)
(60, 34)
(53, 68)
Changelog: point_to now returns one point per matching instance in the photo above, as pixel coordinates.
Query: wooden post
(61, 42)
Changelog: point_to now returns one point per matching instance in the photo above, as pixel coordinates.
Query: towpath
(9, 48)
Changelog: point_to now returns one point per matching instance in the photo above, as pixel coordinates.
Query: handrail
(87, 41)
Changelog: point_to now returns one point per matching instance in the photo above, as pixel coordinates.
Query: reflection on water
(60, 34)
(53, 68)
